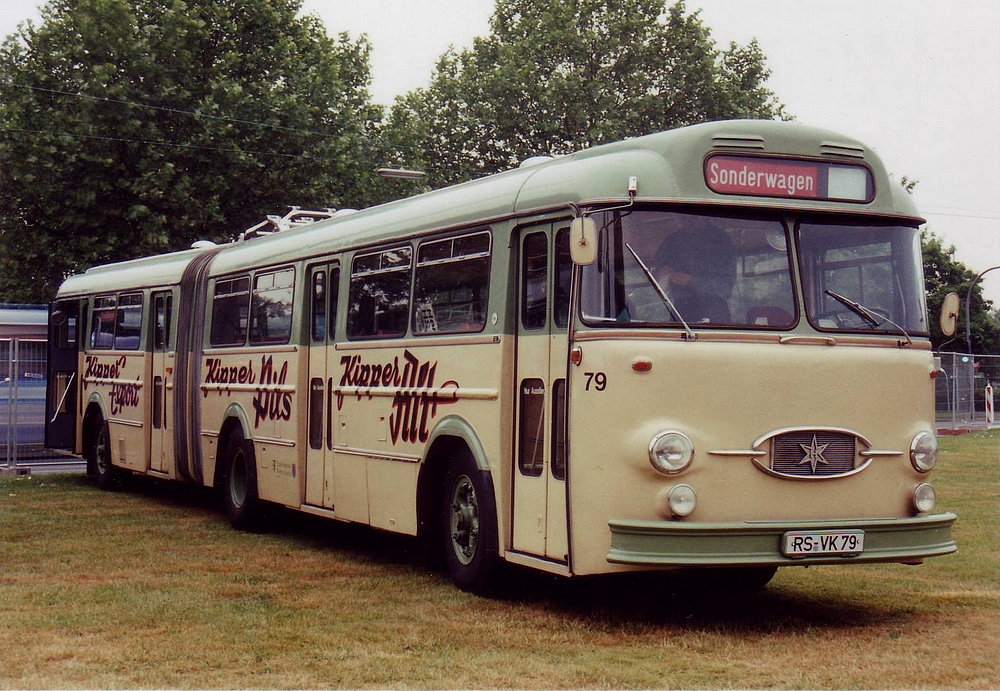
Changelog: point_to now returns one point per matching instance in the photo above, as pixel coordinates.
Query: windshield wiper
(689, 334)
(872, 317)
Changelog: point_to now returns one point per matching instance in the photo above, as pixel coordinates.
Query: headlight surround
(924, 498)
(670, 452)
(681, 500)
(924, 452)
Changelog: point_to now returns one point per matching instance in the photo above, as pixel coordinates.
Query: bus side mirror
(949, 314)
(583, 241)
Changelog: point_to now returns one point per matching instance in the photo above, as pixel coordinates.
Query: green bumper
(667, 543)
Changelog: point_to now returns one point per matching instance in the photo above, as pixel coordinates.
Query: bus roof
(667, 167)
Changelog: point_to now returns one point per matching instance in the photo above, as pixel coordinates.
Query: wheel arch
(234, 418)
(452, 436)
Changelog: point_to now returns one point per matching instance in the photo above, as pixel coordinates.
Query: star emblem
(814, 454)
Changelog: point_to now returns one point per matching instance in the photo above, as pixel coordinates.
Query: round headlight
(924, 498)
(670, 452)
(924, 452)
(682, 500)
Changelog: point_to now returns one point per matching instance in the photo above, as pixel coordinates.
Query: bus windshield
(658, 268)
(862, 278)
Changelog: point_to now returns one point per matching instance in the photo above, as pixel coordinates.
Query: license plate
(823, 542)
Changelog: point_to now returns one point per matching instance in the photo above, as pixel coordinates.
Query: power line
(153, 142)
(166, 109)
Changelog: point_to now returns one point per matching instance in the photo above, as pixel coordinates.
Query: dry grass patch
(150, 588)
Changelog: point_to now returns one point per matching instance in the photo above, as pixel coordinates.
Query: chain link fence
(22, 400)
(962, 386)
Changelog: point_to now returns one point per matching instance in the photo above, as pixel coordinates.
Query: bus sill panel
(676, 544)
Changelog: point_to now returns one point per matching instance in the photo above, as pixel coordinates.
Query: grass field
(151, 588)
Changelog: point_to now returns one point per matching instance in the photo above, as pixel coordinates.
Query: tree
(944, 274)
(555, 76)
(133, 127)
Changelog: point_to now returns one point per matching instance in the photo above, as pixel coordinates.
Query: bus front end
(752, 388)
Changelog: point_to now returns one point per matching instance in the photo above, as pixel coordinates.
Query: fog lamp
(924, 498)
(924, 452)
(670, 452)
(682, 500)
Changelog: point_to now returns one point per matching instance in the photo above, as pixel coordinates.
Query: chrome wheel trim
(464, 521)
(238, 479)
(101, 451)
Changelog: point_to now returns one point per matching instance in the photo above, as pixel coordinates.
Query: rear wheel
(239, 485)
(469, 527)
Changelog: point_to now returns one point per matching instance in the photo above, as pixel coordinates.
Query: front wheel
(239, 484)
(469, 525)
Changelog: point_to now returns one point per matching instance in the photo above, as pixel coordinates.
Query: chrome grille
(813, 453)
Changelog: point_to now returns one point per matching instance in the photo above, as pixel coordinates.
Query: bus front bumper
(764, 543)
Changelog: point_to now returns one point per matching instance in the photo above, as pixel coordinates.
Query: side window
(230, 309)
(128, 322)
(163, 306)
(102, 326)
(317, 330)
(563, 278)
(334, 290)
(380, 294)
(451, 288)
(323, 318)
(535, 277)
(271, 307)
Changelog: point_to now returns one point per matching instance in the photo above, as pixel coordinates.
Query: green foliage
(557, 76)
(944, 274)
(133, 127)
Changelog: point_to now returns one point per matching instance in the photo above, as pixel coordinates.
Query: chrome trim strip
(808, 340)
(249, 388)
(876, 453)
(252, 350)
(124, 423)
(102, 380)
(377, 455)
(208, 433)
(738, 452)
(539, 563)
(450, 393)
(274, 442)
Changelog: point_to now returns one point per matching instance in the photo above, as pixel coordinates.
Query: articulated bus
(700, 349)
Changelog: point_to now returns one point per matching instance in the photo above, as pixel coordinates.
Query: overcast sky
(916, 80)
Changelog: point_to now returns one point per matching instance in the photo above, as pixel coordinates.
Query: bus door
(161, 443)
(539, 521)
(62, 384)
(324, 283)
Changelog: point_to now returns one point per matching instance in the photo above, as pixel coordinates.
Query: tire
(239, 484)
(469, 527)
(106, 476)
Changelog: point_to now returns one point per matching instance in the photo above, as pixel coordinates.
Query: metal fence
(962, 388)
(22, 400)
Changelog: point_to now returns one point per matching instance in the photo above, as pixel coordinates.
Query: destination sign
(776, 177)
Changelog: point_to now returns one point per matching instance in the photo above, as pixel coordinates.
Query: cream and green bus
(705, 349)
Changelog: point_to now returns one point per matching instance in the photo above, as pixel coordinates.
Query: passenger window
(379, 299)
(229, 312)
(563, 278)
(451, 288)
(535, 277)
(271, 307)
(128, 322)
(102, 328)
(334, 290)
